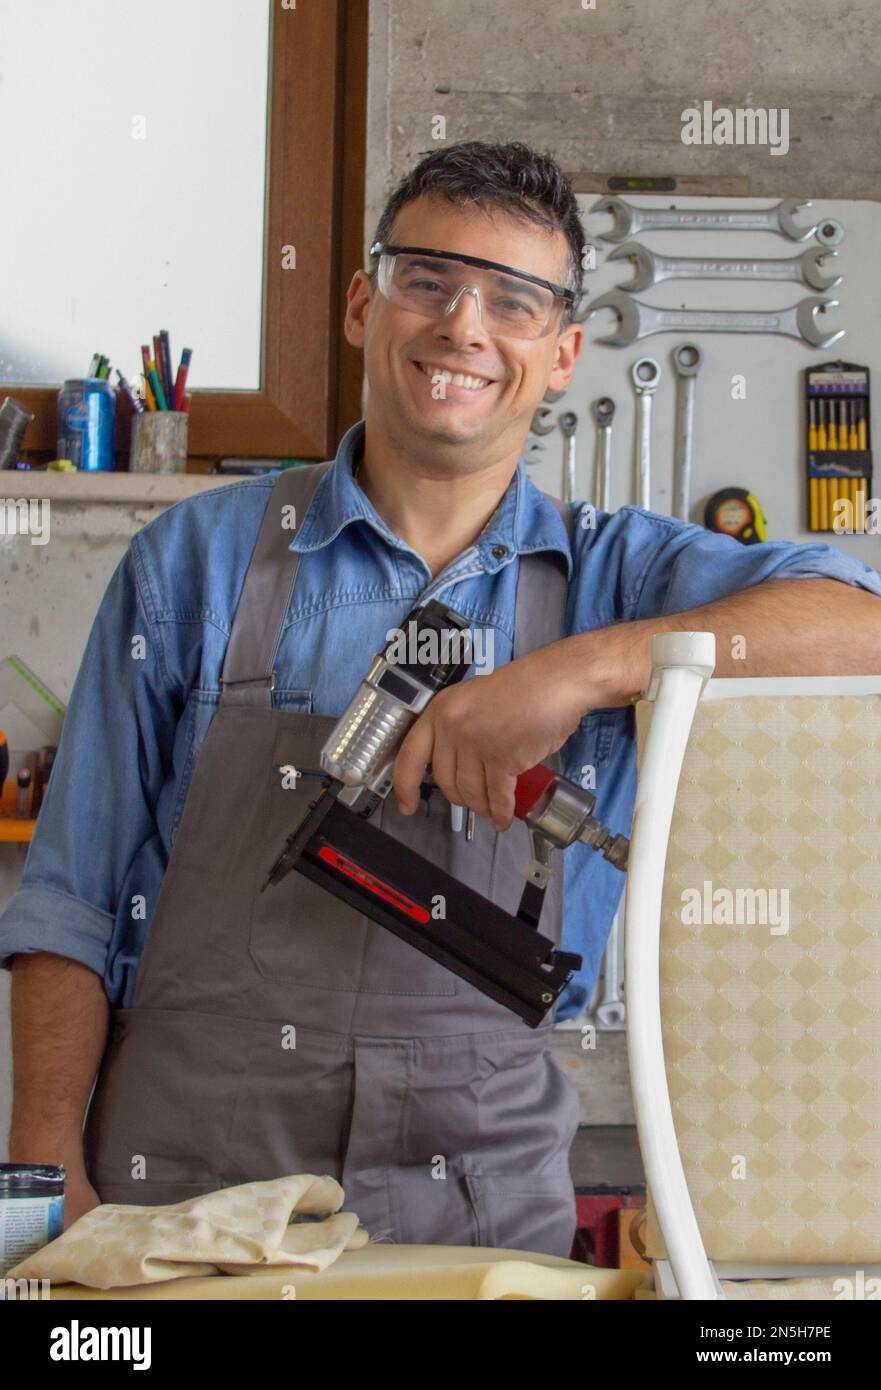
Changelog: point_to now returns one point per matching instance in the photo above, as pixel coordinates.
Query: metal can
(86, 417)
(31, 1209)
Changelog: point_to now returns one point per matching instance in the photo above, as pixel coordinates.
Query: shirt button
(499, 552)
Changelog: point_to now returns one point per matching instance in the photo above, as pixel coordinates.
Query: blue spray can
(86, 416)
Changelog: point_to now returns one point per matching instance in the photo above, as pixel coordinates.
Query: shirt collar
(524, 522)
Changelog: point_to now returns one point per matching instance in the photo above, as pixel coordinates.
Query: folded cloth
(235, 1230)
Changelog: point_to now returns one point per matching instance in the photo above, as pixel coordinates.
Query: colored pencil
(157, 385)
(180, 385)
(167, 377)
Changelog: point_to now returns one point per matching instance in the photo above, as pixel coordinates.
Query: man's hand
(481, 734)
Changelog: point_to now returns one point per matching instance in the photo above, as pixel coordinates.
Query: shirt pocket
(290, 697)
(601, 732)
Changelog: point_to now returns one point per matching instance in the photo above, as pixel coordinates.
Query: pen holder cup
(159, 442)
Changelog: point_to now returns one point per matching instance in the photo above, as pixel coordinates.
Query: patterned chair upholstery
(770, 984)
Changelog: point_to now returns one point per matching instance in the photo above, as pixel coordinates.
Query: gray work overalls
(281, 1032)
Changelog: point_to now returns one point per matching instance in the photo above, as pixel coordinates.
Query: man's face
(403, 349)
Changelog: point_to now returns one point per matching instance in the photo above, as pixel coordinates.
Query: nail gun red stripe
(373, 884)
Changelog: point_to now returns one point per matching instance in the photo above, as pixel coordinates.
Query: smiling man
(260, 1034)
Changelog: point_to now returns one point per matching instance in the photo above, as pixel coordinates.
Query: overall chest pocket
(299, 932)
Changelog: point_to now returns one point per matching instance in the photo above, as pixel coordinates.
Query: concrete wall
(603, 89)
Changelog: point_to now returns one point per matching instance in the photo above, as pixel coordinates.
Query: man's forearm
(785, 627)
(60, 1018)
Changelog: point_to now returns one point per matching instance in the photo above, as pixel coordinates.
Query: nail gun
(336, 847)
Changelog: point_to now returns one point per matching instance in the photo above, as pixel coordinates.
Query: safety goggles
(511, 303)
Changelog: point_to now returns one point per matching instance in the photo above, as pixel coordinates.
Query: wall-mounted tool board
(756, 442)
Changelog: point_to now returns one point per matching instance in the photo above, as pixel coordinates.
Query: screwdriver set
(838, 415)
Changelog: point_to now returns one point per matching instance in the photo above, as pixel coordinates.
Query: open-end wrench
(638, 320)
(645, 375)
(687, 361)
(539, 423)
(610, 1009)
(569, 424)
(628, 220)
(603, 413)
(651, 268)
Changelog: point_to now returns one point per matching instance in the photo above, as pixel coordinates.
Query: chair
(753, 979)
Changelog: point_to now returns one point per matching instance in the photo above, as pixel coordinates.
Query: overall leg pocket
(484, 1143)
(525, 1211)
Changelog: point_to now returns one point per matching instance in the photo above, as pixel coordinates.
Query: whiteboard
(758, 442)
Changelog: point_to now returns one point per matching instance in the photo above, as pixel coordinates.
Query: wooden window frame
(310, 377)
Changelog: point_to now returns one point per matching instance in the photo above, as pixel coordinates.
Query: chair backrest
(770, 970)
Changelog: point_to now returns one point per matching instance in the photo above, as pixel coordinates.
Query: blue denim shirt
(134, 726)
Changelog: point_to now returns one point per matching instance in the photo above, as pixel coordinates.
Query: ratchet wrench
(645, 375)
(687, 361)
(603, 414)
(569, 424)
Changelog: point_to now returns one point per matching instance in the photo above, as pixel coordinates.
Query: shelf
(12, 830)
(86, 488)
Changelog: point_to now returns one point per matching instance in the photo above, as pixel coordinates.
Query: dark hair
(511, 177)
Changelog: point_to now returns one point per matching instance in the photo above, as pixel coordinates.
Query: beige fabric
(383, 1272)
(230, 1231)
(773, 1042)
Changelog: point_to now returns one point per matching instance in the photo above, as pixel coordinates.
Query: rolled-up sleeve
(100, 803)
(684, 566)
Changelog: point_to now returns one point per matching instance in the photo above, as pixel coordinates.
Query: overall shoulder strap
(542, 590)
(248, 674)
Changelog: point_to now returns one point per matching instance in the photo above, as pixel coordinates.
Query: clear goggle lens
(508, 306)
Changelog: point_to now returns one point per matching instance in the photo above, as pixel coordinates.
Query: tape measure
(735, 512)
